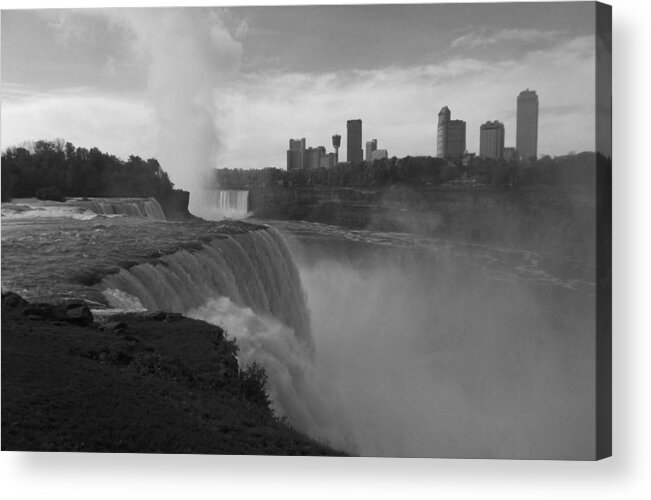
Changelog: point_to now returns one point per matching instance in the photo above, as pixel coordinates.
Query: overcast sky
(234, 85)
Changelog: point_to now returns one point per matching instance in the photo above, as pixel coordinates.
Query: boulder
(12, 300)
(154, 315)
(75, 313)
(42, 311)
(78, 314)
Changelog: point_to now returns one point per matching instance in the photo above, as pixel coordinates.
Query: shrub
(253, 381)
(51, 193)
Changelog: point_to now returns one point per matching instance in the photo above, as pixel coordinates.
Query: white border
(626, 475)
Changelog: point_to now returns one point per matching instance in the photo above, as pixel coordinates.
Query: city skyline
(94, 77)
(451, 138)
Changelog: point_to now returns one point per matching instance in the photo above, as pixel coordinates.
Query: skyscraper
(354, 143)
(336, 142)
(491, 140)
(313, 156)
(526, 139)
(370, 147)
(450, 136)
(296, 154)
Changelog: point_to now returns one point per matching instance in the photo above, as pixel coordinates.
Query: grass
(166, 385)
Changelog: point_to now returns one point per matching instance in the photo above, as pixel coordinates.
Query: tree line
(570, 170)
(57, 169)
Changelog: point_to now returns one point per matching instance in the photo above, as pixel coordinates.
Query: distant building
(296, 154)
(370, 147)
(450, 136)
(491, 140)
(313, 156)
(328, 160)
(379, 154)
(336, 142)
(354, 143)
(510, 154)
(526, 139)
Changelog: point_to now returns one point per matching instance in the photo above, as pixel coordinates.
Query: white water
(220, 204)
(34, 209)
(83, 208)
(134, 207)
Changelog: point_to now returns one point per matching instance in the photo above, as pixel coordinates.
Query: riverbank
(553, 220)
(132, 383)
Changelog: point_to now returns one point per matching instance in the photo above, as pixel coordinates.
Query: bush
(51, 193)
(253, 381)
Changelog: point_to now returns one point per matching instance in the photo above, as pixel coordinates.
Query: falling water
(219, 204)
(134, 207)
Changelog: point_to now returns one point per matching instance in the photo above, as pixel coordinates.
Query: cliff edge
(136, 383)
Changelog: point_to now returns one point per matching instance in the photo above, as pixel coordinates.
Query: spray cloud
(190, 53)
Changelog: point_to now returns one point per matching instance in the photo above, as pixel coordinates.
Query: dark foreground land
(147, 383)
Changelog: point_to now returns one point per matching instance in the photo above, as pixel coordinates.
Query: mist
(436, 362)
(190, 52)
(426, 354)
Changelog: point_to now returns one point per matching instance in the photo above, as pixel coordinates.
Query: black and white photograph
(308, 230)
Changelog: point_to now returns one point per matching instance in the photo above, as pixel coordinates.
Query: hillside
(146, 383)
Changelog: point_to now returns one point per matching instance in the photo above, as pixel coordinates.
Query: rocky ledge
(147, 383)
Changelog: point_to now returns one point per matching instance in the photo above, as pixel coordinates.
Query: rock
(42, 311)
(12, 300)
(173, 316)
(76, 314)
(154, 315)
(79, 314)
(113, 326)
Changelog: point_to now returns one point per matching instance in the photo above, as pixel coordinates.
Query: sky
(228, 87)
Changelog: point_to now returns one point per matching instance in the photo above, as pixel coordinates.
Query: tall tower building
(491, 140)
(336, 142)
(370, 147)
(526, 139)
(296, 154)
(450, 135)
(354, 144)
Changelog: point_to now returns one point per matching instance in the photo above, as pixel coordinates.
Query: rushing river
(379, 343)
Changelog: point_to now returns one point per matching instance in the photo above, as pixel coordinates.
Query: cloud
(254, 114)
(399, 106)
(515, 35)
(116, 124)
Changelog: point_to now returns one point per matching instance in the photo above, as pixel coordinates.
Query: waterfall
(249, 285)
(219, 204)
(134, 207)
(253, 270)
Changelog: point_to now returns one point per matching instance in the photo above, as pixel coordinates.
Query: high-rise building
(296, 154)
(526, 138)
(336, 142)
(354, 143)
(510, 154)
(370, 147)
(450, 136)
(328, 160)
(379, 154)
(313, 156)
(491, 140)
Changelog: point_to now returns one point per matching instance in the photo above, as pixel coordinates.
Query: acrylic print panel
(378, 230)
